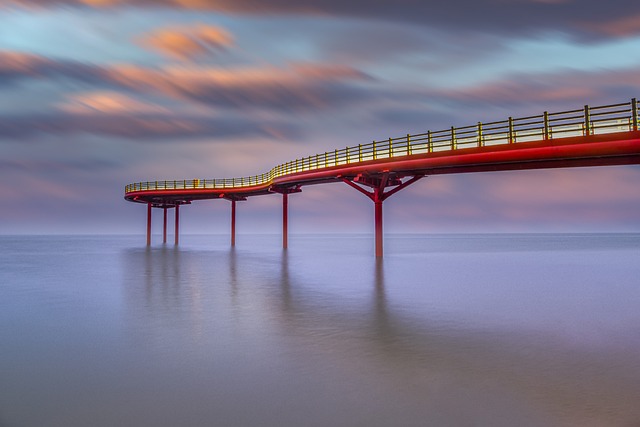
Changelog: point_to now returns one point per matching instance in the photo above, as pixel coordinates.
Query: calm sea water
(482, 330)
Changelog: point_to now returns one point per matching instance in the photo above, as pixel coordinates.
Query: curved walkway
(589, 136)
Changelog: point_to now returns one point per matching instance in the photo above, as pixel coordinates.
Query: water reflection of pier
(435, 362)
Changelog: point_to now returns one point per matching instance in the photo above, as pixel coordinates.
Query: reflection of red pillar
(285, 220)
(164, 227)
(378, 222)
(177, 223)
(233, 223)
(148, 224)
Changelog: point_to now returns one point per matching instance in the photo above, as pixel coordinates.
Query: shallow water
(447, 330)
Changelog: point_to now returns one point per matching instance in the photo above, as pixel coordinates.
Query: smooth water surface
(447, 330)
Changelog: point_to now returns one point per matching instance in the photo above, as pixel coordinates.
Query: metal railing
(581, 122)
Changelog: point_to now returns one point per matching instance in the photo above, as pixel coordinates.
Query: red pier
(589, 136)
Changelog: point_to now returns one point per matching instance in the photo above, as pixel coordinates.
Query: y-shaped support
(378, 195)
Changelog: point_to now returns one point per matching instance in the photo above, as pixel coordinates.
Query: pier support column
(378, 183)
(233, 223)
(164, 226)
(285, 191)
(177, 227)
(148, 224)
(378, 227)
(285, 220)
(233, 198)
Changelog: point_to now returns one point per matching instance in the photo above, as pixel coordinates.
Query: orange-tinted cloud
(625, 26)
(300, 87)
(153, 127)
(188, 42)
(114, 114)
(106, 102)
(297, 87)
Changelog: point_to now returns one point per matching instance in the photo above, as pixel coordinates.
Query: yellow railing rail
(581, 122)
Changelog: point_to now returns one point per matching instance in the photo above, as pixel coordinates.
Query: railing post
(408, 144)
(453, 138)
(374, 150)
(546, 125)
(480, 144)
(511, 134)
(346, 154)
(634, 114)
(587, 121)
(390, 148)
(335, 158)
(359, 152)
(429, 147)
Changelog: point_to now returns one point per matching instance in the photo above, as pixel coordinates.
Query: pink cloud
(188, 42)
(106, 102)
(625, 26)
(549, 88)
(292, 87)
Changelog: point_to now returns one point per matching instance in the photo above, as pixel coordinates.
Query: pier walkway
(589, 136)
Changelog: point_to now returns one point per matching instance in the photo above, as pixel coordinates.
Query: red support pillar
(378, 195)
(378, 226)
(177, 228)
(148, 224)
(164, 226)
(233, 223)
(285, 220)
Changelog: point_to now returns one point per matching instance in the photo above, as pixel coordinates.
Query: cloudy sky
(97, 94)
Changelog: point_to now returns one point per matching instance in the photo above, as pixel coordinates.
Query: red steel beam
(594, 150)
